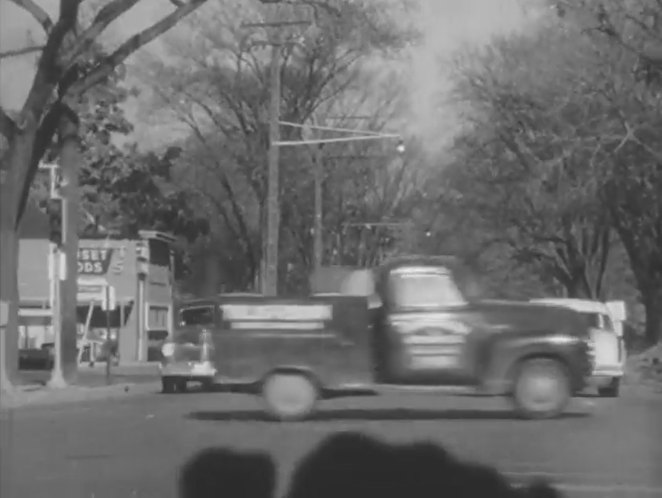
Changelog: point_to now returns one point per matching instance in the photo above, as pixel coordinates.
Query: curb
(27, 397)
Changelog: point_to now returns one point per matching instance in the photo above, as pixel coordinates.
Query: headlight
(168, 349)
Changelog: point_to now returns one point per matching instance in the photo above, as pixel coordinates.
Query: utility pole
(270, 280)
(318, 241)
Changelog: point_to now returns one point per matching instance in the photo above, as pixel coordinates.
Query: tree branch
(109, 13)
(21, 51)
(49, 68)
(43, 140)
(37, 12)
(108, 65)
(7, 125)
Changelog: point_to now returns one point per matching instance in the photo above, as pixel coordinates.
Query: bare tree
(214, 79)
(563, 146)
(628, 43)
(520, 162)
(59, 77)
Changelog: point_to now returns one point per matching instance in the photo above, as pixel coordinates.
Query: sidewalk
(646, 368)
(24, 396)
(126, 379)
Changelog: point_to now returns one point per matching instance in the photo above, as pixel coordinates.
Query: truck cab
(428, 331)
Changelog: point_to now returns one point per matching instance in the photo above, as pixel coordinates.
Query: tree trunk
(576, 288)
(70, 161)
(9, 300)
(18, 159)
(653, 306)
(212, 268)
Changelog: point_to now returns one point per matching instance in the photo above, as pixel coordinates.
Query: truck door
(428, 324)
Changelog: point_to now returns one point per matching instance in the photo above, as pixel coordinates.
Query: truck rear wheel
(542, 388)
(290, 396)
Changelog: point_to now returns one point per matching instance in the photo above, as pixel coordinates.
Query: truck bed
(327, 334)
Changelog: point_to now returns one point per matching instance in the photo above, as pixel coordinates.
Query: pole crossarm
(284, 143)
(274, 24)
(339, 130)
(377, 223)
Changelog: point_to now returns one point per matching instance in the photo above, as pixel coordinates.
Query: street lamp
(401, 148)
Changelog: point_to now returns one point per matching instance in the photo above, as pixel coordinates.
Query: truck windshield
(425, 290)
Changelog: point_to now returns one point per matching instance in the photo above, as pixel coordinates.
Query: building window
(159, 253)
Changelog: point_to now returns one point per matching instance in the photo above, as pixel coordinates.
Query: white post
(57, 378)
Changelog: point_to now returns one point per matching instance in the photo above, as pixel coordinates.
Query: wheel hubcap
(541, 389)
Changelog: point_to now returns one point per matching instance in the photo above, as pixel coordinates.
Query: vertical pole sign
(108, 304)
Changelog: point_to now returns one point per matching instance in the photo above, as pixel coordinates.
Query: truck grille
(590, 345)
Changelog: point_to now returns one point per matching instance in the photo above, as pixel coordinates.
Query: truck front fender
(505, 354)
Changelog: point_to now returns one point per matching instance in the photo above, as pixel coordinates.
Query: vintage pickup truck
(427, 332)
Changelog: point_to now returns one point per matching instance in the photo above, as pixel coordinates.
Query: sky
(447, 25)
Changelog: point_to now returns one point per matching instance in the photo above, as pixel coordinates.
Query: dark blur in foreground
(351, 465)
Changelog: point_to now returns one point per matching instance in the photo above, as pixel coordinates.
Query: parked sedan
(607, 340)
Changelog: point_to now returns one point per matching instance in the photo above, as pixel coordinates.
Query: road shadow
(377, 415)
(226, 388)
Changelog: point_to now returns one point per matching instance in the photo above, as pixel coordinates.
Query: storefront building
(140, 274)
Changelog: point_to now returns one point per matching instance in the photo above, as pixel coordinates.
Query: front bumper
(188, 369)
(603, 376)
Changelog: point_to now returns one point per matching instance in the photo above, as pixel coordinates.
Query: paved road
(132, 447)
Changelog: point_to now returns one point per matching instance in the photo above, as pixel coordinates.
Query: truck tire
(541, 388)
(289, 396)
(612, 390)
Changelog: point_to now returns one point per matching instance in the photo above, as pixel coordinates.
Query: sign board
(266, 312)
(97, 290)
(91, 289)
(277, 316)
(94, 260)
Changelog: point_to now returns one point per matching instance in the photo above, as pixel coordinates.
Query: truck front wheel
(289, 396)
(541, 388)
